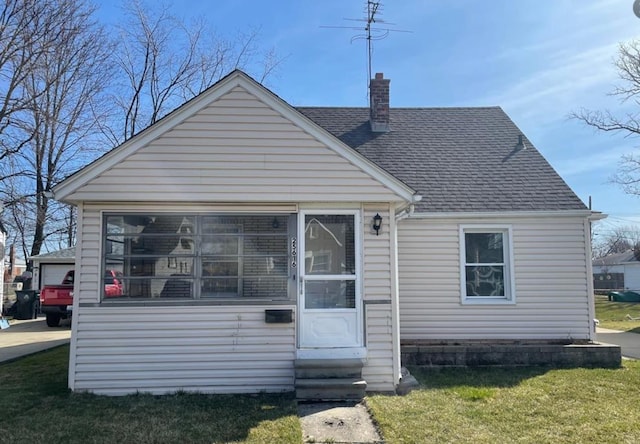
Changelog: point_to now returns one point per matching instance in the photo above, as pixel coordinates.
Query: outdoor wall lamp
(377, 222)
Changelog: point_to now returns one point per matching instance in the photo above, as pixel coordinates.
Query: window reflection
(202, 256)
(329, 244)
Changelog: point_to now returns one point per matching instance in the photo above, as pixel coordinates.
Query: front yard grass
(613, 315)
(482, 405)
(36, 406)
(526, 405)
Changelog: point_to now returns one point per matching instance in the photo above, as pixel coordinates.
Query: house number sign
(294, 252)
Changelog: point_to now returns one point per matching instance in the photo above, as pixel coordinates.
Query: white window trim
(509, 286)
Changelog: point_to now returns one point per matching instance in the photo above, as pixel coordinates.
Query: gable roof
(458, 159)
(235, 79)
(64, 255)
(616, 259)
(454, 159)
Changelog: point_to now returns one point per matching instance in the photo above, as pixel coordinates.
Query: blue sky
(537, 59)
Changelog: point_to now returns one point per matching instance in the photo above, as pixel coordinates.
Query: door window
(329, 261)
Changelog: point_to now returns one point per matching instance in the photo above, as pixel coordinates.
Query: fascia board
(58, 260)
(502, 214)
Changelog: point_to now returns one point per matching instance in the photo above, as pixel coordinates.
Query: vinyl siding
(160, 349)
(631, 276)
(378, 371)
(551, 279)
(122, 350)
(236, 149)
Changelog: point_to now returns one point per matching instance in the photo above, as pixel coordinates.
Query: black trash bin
(27, 302)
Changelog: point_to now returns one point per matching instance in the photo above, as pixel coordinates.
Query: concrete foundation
(515, 354)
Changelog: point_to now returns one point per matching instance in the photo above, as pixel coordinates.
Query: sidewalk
(31, 336)
(629, 342)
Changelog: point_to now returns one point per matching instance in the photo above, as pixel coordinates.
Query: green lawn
(613, 315)
(37, 407)
(530, 405)
(525, 405)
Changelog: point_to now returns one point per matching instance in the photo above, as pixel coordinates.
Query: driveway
(31, 336)
(629, 342)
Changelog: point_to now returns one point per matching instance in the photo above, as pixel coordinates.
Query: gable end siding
(236, 149)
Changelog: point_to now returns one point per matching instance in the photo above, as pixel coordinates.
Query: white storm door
(329, 290)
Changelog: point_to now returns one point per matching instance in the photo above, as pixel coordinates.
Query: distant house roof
(458, 159)
(616, 259)
(65, 255)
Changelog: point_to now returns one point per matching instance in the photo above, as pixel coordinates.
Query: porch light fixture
(377, 222)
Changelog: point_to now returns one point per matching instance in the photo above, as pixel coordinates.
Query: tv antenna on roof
(372, 29)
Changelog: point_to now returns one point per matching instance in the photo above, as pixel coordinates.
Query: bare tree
(27, 29)
(61, 72)
(64, 91)
(164, 62)
(627, 64)
(617, 240)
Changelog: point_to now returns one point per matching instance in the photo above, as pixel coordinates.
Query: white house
(262, 245)
(618, 271)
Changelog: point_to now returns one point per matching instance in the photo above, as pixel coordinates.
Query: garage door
(52, 274)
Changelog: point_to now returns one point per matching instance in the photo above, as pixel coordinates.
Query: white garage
(50, 268)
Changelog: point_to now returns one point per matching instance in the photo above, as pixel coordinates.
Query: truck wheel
(53, 319)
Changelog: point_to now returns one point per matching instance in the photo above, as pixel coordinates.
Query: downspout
(395, 303)
(395, 286)
(404, 214)
(590, 292)
(76, 299)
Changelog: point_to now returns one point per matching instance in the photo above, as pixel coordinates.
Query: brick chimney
(379, 103)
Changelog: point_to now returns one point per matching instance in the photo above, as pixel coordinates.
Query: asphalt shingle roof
(458, 159)
(616, 259)
(67, 253)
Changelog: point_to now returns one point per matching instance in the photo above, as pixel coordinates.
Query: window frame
(509, 297)
(197, 278)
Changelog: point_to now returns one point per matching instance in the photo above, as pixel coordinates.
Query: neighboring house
(50, 268)
(617, 272)
(244, 228)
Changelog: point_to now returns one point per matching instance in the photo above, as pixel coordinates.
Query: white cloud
(602, 161)
(553, 91)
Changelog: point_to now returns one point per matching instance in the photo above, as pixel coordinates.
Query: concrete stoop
(329, 379)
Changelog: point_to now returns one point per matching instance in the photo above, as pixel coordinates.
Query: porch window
(170, 256)
(486, 265)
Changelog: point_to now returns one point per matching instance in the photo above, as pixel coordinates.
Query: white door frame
(353, 347)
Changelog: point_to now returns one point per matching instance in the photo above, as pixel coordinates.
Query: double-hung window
(486, 264)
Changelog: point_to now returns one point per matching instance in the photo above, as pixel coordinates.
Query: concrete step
(328, 368)
(335, 389)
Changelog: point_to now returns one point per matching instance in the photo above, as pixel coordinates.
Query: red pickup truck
(56, 301)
